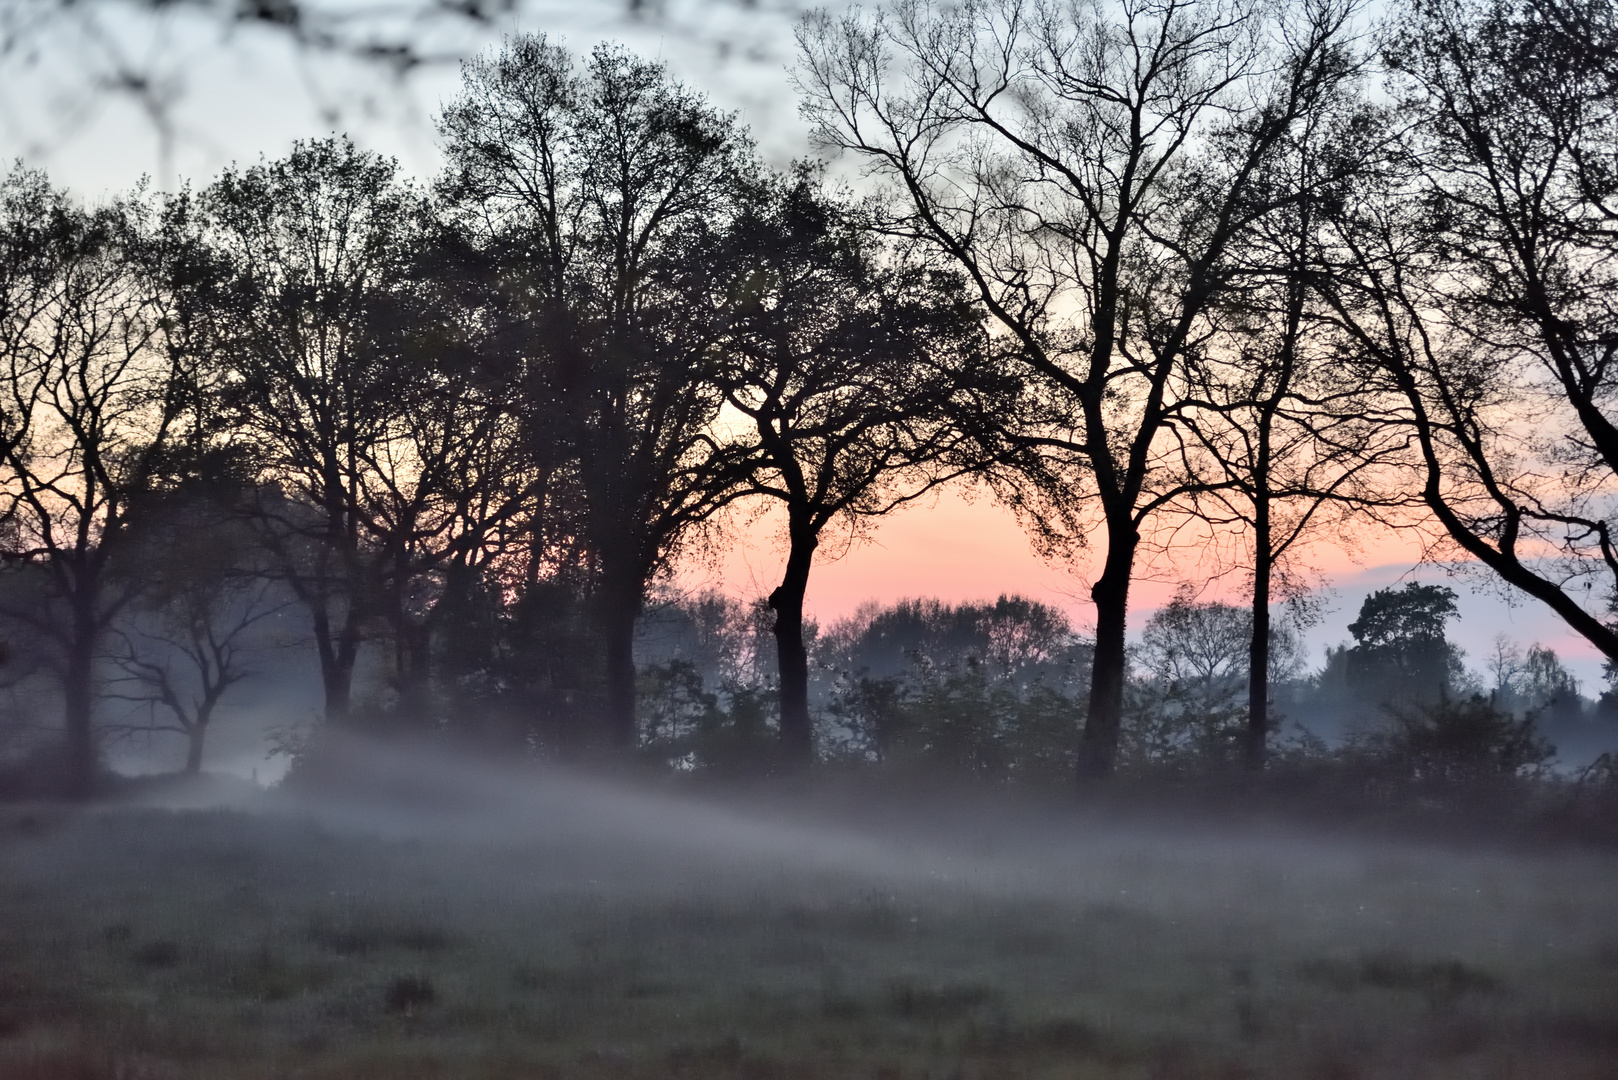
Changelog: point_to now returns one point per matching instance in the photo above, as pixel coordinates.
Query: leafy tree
(452, 496)
(383, 454)
(313, 244)
(1013, 638)
(603, 191)
(727, 641)
(1401, 652)
(691, 727)
(856, 375)
(989, 689)
(1536, 683)
(1464, 739)
(1547, 688)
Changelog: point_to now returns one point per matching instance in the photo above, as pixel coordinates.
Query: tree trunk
(338, 652)
(1098, 747)
(412, 647)
(1258, 652)
(797, 729)
(337, 679)
(78, 698)
(412, 661)
(193, 750)
(619, 606)
(417, 684)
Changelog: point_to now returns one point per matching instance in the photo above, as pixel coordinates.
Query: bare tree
(196, 629)
(1474, 273)
(1294, 447)
(1088, 167)
(87, 395)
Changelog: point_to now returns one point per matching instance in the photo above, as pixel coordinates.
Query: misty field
(544, 925)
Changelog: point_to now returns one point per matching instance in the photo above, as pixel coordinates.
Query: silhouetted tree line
(991, 691)
(1134, 267)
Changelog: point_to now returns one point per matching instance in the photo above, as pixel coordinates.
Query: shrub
(689, 726)
(1469, 738)
(1181, 727)
(969, 717)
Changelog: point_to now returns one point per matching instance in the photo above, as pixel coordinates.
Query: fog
(413, 908)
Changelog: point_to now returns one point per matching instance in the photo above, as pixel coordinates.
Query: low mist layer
(442, 919)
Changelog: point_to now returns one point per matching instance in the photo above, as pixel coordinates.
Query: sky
(961, 547)
(233, 97)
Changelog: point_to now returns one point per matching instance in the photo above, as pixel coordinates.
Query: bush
(1466, 739)
(690, 727)
(1182, 728)
(966, 718)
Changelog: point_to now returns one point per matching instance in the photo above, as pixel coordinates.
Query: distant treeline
(1133, 270)
(991, 690)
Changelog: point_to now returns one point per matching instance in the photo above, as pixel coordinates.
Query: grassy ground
(548, 926)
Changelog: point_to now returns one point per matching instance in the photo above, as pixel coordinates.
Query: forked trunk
(339, 650)
(337, 680)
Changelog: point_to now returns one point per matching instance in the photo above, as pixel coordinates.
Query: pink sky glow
(961, 549)
(958, 546)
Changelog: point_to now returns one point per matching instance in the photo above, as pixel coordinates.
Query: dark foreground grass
(580, 933)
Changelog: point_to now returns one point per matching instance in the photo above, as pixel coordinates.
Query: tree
(1468, 739)
(384, 451)
(447, 499)
(604, 191)
(189, 639)
(313, 245)
(1201, 644)
(985, 687)
(1291, 450)
(1546, 683)
(1535, 682)
(1088, 168)
(1506, 667)
(854, 373)
(1474, 273)
(1401, 652)
(88, 406)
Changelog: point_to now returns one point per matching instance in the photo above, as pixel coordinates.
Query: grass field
(550, 926)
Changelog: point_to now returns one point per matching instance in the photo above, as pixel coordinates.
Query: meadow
(450, 922)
